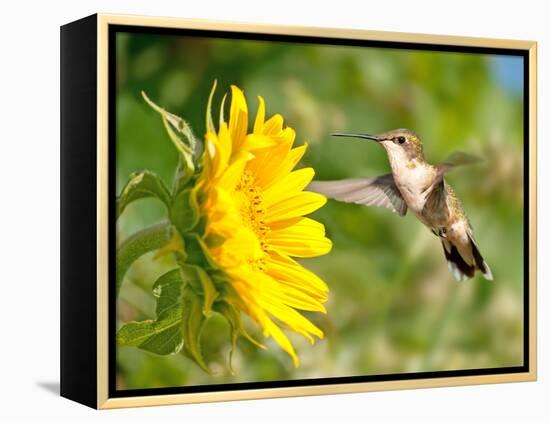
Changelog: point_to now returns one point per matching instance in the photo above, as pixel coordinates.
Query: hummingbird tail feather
(481, 264)
(459, 267)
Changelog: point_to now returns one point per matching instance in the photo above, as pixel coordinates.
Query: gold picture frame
(92, 34)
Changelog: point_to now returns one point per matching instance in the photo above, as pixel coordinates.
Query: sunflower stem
(142, 242)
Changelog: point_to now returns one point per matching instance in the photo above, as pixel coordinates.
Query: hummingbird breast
(413, 180)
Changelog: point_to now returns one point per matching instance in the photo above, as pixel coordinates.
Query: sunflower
(254, 203)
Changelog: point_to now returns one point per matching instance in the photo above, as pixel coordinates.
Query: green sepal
(209, 121)
(176, 122)
(200, 229)
(183, 176)
(192, 325)
(186, 166)
(201, 283)
(188, 151)
(215, 240)
(184, 212)
(236, 328)
(197, 252)
(142, 184)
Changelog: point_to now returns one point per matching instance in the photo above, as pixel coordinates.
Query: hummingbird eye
(401, 140)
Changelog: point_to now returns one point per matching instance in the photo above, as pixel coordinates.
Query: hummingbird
(421, 187)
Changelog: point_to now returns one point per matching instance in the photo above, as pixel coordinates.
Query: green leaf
(164, 335)
(142, 185)
(142, 242)
(167, 290)
(197, 252)
(181, 314)
(184, 212)
(161, 337)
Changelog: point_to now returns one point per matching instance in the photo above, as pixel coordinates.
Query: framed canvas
(254, 211)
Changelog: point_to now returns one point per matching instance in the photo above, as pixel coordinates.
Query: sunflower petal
(260, 116)
(286, 269)
(238, 117)
(298, 205)
(301, 247)
(255, 142)
(290, 185)
(222, 110)
(266, 160)
(296, 298)
(273, 125)
(279, 167)
(225, 147)
(273, 330)
(233, 173)
(294, 320)
(306, 238)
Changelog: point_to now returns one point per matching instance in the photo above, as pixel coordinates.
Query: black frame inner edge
(114, 29)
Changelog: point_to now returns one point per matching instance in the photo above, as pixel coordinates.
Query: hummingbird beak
(363, 136)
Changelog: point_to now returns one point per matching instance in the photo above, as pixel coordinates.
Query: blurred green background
(394, 306)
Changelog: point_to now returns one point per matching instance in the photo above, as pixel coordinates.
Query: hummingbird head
(401, 145)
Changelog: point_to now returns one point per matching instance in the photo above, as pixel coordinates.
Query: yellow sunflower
(254, 204)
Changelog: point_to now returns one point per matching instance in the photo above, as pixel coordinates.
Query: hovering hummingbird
(416, 185)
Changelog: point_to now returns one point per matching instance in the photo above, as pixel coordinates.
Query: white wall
(29, 166)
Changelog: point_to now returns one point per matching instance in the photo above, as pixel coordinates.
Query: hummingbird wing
(377, 191)
(458, 158)
(455, 159)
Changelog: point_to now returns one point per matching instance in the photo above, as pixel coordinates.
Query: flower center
(252, 209)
